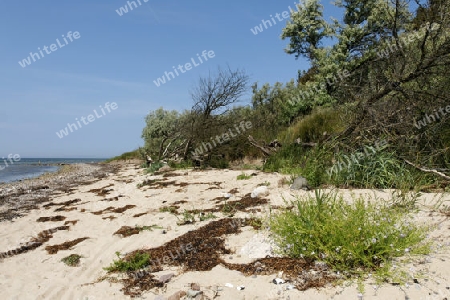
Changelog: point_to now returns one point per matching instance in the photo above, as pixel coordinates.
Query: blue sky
(116, 59)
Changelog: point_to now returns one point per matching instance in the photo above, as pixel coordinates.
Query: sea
(33, 167)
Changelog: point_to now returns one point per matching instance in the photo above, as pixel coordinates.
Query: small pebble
(278, 281)
(240, 288)
(228, 285)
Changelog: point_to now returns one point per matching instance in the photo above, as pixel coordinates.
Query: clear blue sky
(115, 59)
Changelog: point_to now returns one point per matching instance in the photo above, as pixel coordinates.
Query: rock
(193, 294)
(240, 288)
(166, 278)
(178, 295)
(165, 168)
(260, 191)
(300, 183)
(228, 285)
(195, 286)
(278, 281)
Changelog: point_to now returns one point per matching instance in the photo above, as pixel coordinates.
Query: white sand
(39, 275)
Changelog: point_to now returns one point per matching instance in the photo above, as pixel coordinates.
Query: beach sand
(98, 201)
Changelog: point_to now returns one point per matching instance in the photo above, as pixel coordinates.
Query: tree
(306, 30)
(216, 93)
(162, 135)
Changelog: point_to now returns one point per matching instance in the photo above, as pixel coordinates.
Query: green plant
(188, 217)
(256, 223)
(265, 183)
(137, 261)
(149, 228)
(356, 238)
(154, 167)
(379, 169)
(184, 164)
(169, 209)
(72, 260)
(228, 209)
(205, 217)
(146, 182)
(243, 176)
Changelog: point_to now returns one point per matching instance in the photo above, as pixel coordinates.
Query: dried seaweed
(51, 219)
(43, 236)
(64, 246)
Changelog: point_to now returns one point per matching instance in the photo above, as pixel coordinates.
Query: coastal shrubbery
(298, 128)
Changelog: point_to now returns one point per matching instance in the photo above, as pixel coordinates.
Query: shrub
(348, 237)
(154, 167)
(136, 262)
(380, 170)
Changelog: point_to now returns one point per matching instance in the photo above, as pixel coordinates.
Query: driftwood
(266, 150)
(428, 170)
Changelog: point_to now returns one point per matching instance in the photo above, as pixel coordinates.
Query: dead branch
(428, 170)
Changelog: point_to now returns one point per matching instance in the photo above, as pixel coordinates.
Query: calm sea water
(33, 167)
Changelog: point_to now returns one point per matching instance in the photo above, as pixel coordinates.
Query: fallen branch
(428, 170)
(265, 150)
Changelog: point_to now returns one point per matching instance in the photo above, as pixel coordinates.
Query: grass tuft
(243, 176)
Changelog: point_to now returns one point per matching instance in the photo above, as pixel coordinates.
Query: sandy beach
(79, 211)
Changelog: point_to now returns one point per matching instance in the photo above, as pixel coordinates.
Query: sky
(113, 60)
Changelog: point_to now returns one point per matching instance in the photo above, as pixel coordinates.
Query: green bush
(362, 236)
(380, 170)
(155, 167)
(135, 154)
(184, 164)
(293, 159)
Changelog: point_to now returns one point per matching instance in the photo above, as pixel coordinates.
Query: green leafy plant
(154, 167)
(355, 238)
(136, 262)
(72, 260)
(228, 209)
(205, 217)
(243, 176)
(169, 209)
(188, 217)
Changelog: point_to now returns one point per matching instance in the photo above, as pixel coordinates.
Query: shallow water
(34, 167)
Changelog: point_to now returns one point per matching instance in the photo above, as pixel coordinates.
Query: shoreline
(19, 197)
